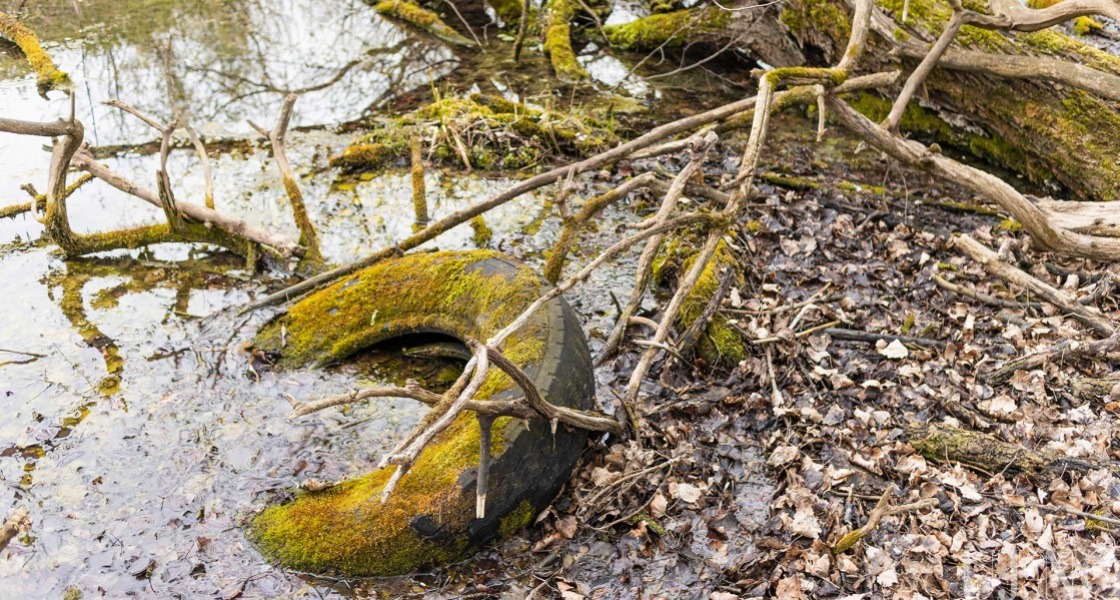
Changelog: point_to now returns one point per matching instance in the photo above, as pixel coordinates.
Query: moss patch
(522, 516)
(721, 343)
(489, 132)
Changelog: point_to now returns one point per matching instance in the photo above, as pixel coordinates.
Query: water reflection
(223, 61)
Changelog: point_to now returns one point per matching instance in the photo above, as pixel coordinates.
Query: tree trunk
(756, 29)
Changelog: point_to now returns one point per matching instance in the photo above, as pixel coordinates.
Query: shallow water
(135, 428)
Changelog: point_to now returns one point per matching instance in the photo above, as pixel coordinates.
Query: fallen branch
(992, 263)
(1035, 221)
(882, 509)
(1097, 387)
(419, 190)
(574, 225)
(422, 18)
(1062, 351)
(1077, 513)
(981, 296)
(206, 216)
(987, 452)
(50, 78)
(610, 156)
(514, 408)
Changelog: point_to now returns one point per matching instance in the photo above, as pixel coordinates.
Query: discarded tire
(430, 517)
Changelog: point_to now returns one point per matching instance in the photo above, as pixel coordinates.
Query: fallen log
(992, 455)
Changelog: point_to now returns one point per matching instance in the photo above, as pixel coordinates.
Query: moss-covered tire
(430, 517)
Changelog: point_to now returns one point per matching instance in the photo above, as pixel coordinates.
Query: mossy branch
(50, 78)
(277, 136)
(419, 190)
(574, 225)
(558, 40)
(422, 18)
(992, 455)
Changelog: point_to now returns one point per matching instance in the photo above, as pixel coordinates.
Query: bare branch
(992, 263)
(700, 145)
(1034, 220)
(202, 214)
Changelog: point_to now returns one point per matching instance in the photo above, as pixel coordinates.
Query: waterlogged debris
(19, 521)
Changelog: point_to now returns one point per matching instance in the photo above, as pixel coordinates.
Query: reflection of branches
(259, 88)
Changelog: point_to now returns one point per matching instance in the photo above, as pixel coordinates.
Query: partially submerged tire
(430, 516)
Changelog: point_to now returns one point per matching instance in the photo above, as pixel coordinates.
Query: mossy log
(430, 516)
(992, 455)
(757, 30)
(1050, 134)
